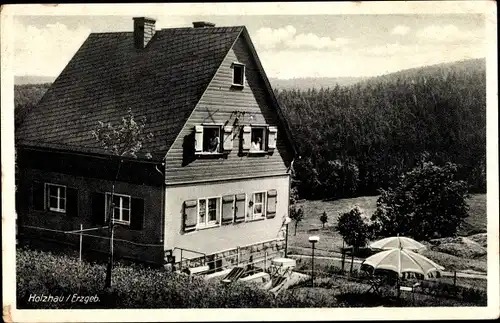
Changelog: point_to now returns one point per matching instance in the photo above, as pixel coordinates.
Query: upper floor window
(56, 197)
(238, 74)
(208, 139)
(211, 139)
(258, 137)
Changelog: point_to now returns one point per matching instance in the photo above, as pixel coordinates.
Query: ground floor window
(258, 203)
(120, 207)
(56, 197)
(209, 211)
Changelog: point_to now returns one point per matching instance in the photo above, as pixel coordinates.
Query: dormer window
(238, 74)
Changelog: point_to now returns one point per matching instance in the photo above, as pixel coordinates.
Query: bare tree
(123, 140)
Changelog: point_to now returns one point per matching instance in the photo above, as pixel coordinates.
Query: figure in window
(214, 143)
(211, 140)
(257, 139)
(257, 144)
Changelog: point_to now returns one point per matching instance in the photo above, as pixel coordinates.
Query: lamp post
(313, 240)
(287, 221)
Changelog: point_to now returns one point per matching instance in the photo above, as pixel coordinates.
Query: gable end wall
(220, 104)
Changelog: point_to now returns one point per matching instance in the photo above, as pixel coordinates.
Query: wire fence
(254, 261)
(89, 248)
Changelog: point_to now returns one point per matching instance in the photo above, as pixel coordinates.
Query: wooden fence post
(343, 260)
(237, 256)
(455, 282)
(352, 260)
(81, 238)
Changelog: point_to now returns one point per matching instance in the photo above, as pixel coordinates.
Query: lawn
(331, 242)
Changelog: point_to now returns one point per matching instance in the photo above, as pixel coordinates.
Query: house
(217, 177)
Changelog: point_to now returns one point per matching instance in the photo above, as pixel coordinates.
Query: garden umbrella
(397, 243)
(402, 261)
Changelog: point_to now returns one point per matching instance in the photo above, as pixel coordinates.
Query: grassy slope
(330, 240)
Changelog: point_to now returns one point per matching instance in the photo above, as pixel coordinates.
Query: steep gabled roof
(162, 82)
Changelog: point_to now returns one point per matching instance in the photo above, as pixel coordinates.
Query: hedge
(135, 286)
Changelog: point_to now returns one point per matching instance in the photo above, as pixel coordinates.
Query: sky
(289, 46)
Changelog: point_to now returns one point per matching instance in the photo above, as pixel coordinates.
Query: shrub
(323, 218)
(306, 297)
(428, 202)
(48, 274)
(133, 286)
(297, 215)
(353, 228)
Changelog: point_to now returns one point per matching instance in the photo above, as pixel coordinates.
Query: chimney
(144, 30)
(203, 24)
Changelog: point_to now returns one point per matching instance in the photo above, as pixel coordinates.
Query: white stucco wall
(215, 239)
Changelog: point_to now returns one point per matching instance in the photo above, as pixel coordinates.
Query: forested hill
(304, 83)
(26, 96)
(356, 139)
(444, 69)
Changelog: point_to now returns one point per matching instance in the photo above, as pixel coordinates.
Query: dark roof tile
(163, 82)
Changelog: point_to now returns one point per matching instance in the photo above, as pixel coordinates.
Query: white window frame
(242, 74)
(58, 197)
(221, 139)
(120, 207)
(218, 216)
(258, 216)
(264, 138)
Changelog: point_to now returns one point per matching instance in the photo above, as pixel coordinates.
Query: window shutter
(227, 209)
(137, 214)
(239, 208)
(228, 138)
(71, 201)
(190, 215)
(98, 208)
(271, 203)
(38, 196)
(198, 139)
(247, 138)
(272, 136)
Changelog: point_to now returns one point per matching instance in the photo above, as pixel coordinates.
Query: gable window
(258, 203)
(211, 139)
(56, 197)
(258, 138)
(208, 139)
(209, 210)
(238, 74)
(120, 209)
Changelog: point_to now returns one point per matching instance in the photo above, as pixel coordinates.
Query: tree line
(354, 140)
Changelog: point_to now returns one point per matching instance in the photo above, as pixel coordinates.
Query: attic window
(211, 139)
(238, 74)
